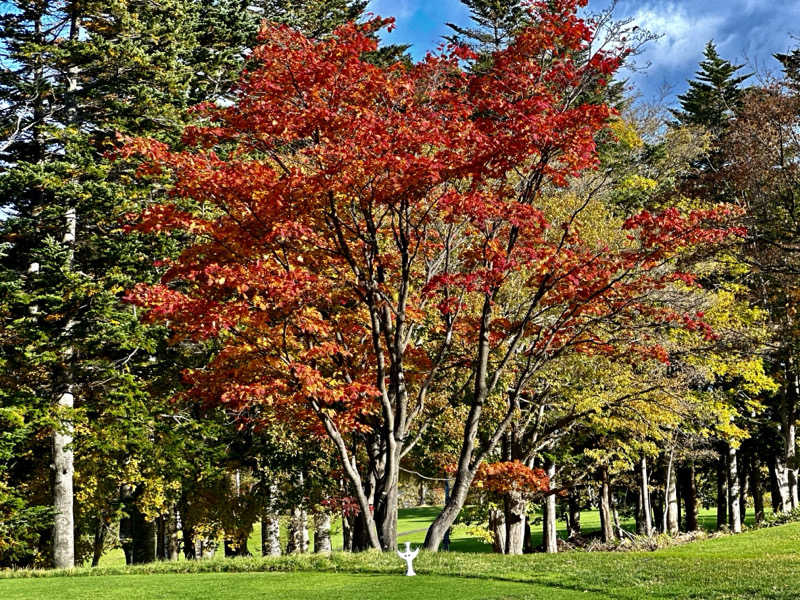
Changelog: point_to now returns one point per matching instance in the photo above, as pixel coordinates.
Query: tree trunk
(734, 515)
(756, 490)
(187, 532)
(743, 471)
(788, 476)
(670, 499)
(497, 526)
(63, 510)
(722, 489)
(514, 507)
(782, 486)
(549, 534)
(688, 486)
(615, 517)
(270, 521)
(606, 529)
(137, 533)
(99, 541)
(422, 492)
(63, 468)
(322, 532)
(386, 502)
(298, 532)
(161, 535)
(173, 546)
(347, 532)
(644, 495)
(467, 460)
(574, 515)
(270, 535)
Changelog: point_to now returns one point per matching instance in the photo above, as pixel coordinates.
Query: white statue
(409, 557)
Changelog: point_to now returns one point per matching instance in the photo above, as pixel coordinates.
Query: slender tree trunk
(466, 469)
(574, 514)
(63, 510)
(423, 492)
(63, 515)
(722, 489)
(347, 532)
(644, 493)
(606, 529)
(99, 541)
(774, 484)
(689, 495)
(789, 476)
(161, 538)
(671, 499)
(322, 532)
(756, 490)
(734, 515)
(744, 480)
(783, 485)
(549, 534)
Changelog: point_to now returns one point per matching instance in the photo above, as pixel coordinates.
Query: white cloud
(683, 34)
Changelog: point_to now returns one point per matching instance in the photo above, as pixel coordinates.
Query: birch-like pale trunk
(549, 534)
(671, 524)
(64, 471)
(644, 487)
(606, 529)
(298, 532)
(734, 513)
(322, 532)
(270, 525)
(63, 467)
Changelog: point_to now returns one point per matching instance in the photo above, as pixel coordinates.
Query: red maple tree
(363, 232)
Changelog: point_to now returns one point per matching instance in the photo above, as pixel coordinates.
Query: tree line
(256, 263)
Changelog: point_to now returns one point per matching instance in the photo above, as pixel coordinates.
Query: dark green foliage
(791, 66)
(494, 24)
(714, 95)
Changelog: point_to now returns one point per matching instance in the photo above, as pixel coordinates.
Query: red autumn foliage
(364, 232)
(511, 476)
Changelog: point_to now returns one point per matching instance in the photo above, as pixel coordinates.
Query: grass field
(758, 564)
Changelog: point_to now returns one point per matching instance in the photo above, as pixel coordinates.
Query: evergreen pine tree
(493, 25)
(713, 96)
(791, 66)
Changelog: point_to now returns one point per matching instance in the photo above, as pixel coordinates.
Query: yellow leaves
(637, 183)
(259, 302)
(626, 134)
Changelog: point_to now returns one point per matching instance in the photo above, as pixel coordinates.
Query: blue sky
(745, 31)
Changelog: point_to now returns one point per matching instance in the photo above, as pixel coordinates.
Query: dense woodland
(255, 264)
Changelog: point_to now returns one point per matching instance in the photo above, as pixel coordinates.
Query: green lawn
(757, 564)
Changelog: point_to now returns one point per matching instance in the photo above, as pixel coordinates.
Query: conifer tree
(713, 96)
(494, 23)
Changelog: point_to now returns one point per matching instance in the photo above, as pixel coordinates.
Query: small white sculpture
(409, 557)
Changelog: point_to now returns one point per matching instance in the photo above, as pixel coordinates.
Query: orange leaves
(504, 477)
